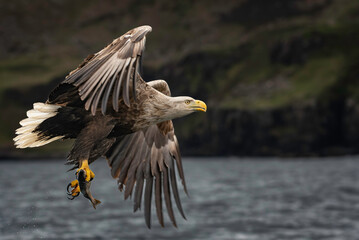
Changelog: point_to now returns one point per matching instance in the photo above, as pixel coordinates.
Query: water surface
(229, 199)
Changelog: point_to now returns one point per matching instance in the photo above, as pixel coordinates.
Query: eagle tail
(27, 134)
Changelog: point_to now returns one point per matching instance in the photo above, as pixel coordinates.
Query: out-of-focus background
(280, 77)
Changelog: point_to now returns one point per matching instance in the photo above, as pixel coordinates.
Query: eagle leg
(85, 166)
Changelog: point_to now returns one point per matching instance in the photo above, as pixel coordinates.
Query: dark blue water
(229, 199)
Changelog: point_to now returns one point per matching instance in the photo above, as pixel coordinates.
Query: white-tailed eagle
(110, 111)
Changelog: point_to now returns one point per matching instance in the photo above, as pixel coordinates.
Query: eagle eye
(187, 102)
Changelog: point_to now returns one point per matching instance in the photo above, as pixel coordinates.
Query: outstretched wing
(146, 158)
(110, 70)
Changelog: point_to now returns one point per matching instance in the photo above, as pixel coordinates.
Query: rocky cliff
(280, 77)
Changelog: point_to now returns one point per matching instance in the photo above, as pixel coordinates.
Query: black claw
(73, 197)
(67, 189)
(70, 194)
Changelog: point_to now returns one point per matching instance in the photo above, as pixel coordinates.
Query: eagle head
(182, 106)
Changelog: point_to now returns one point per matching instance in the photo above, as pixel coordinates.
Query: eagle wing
(109, 71)
(146, 158)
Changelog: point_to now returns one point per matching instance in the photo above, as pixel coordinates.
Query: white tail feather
(25, 135)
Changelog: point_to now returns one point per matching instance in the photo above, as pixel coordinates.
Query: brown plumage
(111, 111)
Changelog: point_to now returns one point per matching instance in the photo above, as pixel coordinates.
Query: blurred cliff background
(280, 77)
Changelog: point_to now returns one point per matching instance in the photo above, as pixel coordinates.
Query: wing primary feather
(154, 159)
(94, 83)
(72, 77)
(117, 87)
(128, 158)
(98, 91)
(95, 78)
(175, 188)
(140, 63)
(87, 89)
(106, 95)
(123, 174)
(125, 89)
(139, 188)
(91, 77)
(131, 175)
(134, 78)
(179, 165)
(75, 76)
(148, 199)
(145, 161)
(127, 162)
(122, 142)
(103, 82)
(167, 194)
(129, 183)
(121, 153)
(158, 198)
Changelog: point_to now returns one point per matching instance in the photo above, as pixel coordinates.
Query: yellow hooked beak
(198, 105)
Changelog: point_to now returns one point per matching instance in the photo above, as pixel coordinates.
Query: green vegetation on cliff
(243, 57)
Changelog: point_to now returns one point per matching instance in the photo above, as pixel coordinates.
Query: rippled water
(229, 199)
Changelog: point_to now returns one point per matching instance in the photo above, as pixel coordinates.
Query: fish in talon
(85, 188)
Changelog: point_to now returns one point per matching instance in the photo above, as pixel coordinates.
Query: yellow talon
(85, 166)
(75, 191)
(74, 183)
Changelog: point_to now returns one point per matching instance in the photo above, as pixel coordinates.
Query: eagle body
(95, 134)
(110, 111)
